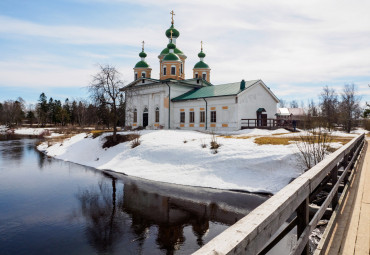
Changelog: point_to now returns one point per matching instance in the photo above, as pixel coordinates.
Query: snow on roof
(297, 111)
(283, 112)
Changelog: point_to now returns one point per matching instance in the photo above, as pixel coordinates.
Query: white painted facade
(229, 109)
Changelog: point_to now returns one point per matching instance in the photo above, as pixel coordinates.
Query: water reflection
(107, 212)
(72, 209)
(99, 208)
(13, 150)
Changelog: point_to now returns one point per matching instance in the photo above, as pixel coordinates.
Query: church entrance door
(145, 118)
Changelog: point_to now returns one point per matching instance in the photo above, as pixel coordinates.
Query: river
(49, 206)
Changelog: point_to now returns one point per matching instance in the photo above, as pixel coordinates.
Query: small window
(164, 70)
(204, 76)
(143, 75)
(157, 114)
(182, 117)
(202, 116)
(135, 76)
(145, 109)
(173, 70)
(181, 69)
(213, 116)
(191, 117)
(135, 115)
(196, 75)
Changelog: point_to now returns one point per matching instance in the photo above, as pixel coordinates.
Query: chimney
(242, 85)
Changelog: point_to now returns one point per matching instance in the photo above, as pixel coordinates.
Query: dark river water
(48, 206)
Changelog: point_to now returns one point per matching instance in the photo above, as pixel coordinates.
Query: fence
(265, 123)
(252, 234)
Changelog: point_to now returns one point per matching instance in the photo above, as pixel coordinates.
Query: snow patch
(240, 164)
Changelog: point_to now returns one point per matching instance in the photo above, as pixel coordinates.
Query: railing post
(302, 221)
(334, 179)
(345, 164)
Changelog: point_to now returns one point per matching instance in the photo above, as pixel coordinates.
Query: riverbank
(178, 157)
(185, 158)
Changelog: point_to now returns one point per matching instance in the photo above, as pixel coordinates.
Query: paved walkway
(351, 234)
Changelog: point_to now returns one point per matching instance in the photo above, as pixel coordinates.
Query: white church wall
(253, 98)
(226, 114)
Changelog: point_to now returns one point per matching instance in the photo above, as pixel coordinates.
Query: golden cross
(172, 13)
(143, 45)
(171, 34)
(201, 45)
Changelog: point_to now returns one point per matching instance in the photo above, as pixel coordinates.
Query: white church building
(173, 102)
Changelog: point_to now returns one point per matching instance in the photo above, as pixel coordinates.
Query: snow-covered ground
(240, 164)
(32, 131)
(176, 156)
(29, 131)
(3, 129)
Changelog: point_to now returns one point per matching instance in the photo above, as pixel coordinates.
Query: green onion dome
(141, 64)
(201, 64)
(171, 57)
(171, 46)
(201, 54)
(176, 51)
(175, 32)
(142, 54)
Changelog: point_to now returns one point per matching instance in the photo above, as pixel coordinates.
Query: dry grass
(236, 137)
(57, 139)
(270, 140)
(97, 133)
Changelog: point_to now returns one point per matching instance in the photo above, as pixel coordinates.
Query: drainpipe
(206, 111)
(169, 106)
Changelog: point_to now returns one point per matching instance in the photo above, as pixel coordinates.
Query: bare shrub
(203, 144)
(313, 147)
(366, 124)
(109, 141)
(214, 143)
(136, 141)
(44, 133)
(139, 128)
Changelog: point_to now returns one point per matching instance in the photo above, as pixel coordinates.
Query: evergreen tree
(42, 109)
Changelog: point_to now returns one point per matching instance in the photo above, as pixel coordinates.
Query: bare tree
(104, 90)
(293, 104)
(329, 107)
(349, 107)
(282, 103)
(312, 109)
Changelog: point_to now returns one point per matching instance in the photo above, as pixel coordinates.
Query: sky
(295, 47)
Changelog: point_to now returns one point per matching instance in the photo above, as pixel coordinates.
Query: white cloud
(282, 42)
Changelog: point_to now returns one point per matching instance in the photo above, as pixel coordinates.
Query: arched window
(135, 116)
(181, 69)
(157, 114)
(204, 76)
(145, 109)
(143, 74)
(164, 70)
(135, 76)
(196, 75)
(173, 70)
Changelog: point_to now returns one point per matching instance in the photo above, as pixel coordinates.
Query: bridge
(336, 189)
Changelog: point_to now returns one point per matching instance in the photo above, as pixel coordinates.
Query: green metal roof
(141, 64)
(229, 89)
(201, 64)
(167, 50)
(171, 57)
